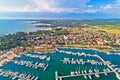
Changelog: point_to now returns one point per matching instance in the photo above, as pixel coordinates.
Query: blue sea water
(10, 26)
(63, 69)
(48, 15)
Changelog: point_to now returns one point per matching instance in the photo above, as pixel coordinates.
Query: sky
(71, 9)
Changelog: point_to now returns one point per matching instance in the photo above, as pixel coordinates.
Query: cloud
(90, 6)
(115, 7)
(53, 6)
(109, 6)
(42, 5)
(90, 11)
(106, 8)
(58, 6)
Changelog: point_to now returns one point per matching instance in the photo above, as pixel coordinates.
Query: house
(20, 49)
(100, 42)
(118, 42)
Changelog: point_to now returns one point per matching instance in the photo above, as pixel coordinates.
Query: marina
(84, 73)
(74, 65)
(59, 40)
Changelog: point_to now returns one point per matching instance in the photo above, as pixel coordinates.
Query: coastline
(86, 49)
(8, 57)
(79, 47)
(12, 54)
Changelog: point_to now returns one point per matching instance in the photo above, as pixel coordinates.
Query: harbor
(61, 65)
(96, 72)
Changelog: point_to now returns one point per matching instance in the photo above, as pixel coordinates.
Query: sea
(63, 69)
(11, 26)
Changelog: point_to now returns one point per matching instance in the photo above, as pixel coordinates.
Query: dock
(79, 75)
(41, 57)
(31, 64)
(80, 61)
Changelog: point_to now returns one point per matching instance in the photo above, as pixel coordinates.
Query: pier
(41, 57)
(77, 54)
(78, 75)
(80, 61)
(31, 64)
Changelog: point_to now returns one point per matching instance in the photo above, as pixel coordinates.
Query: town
(49, 41)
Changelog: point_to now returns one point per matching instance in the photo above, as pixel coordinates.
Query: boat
(71, 73)
(84, 75)
(105, 72)
(90, 76)
(36, 78)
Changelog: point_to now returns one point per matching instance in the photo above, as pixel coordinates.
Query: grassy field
(108, 29)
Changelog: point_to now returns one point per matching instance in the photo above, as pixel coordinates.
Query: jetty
(77, 53)
(31, 64)
(57, 77)
(41, 57)
(80, 61)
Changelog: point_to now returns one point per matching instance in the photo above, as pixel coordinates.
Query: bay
(11, 26)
